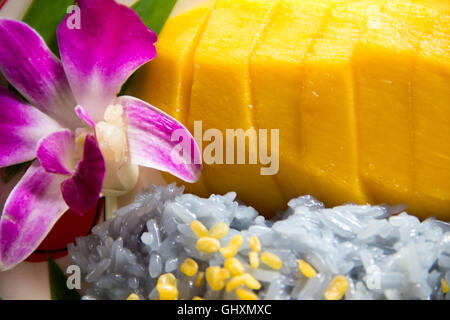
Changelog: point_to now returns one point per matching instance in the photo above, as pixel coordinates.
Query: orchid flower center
(120, 176)
(111, 134)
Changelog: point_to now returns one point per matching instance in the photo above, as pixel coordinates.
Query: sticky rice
(307, 252)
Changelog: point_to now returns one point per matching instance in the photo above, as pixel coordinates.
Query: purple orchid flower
(87, 141)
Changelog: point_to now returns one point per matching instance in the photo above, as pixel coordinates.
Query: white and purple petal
(29, 65)
(21, 128)
(84, 115)
(153, 138)
(30, 212)
(6, 187)
(83, 189)
(56, 152)
(111, 43)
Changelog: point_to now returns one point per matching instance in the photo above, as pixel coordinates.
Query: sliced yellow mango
(431, 97)
(358, 89)
(275, 70)
(383, 64)
(327, 104)
(221, 95)
(402, 132)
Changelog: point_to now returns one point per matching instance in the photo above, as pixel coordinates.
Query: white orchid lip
(121, 175)
(111, 134)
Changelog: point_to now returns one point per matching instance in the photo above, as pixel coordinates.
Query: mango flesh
(221, 78)
(276, 68)
(359, 91)
(432, 121)
(327, 104)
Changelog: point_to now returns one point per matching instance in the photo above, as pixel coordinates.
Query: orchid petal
(30, 212)
(84, 115)
(56, 152)
(150, 133)
(110, 45)
(7, 186)
(21, 128)
(82, 191)
(29, 65)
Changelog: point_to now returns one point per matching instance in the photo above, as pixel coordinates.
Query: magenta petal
(6, 188)
(29, 65)
(82, 191)
(56, 152)
(150, 133)
(21, 128)
(110, 45)
(32, 208)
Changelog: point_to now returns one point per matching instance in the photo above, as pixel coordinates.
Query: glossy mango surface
(359, 91)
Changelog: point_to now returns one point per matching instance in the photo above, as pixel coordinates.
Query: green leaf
(58, 283)
(154, 13)
(44, 16)
(10, 172)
